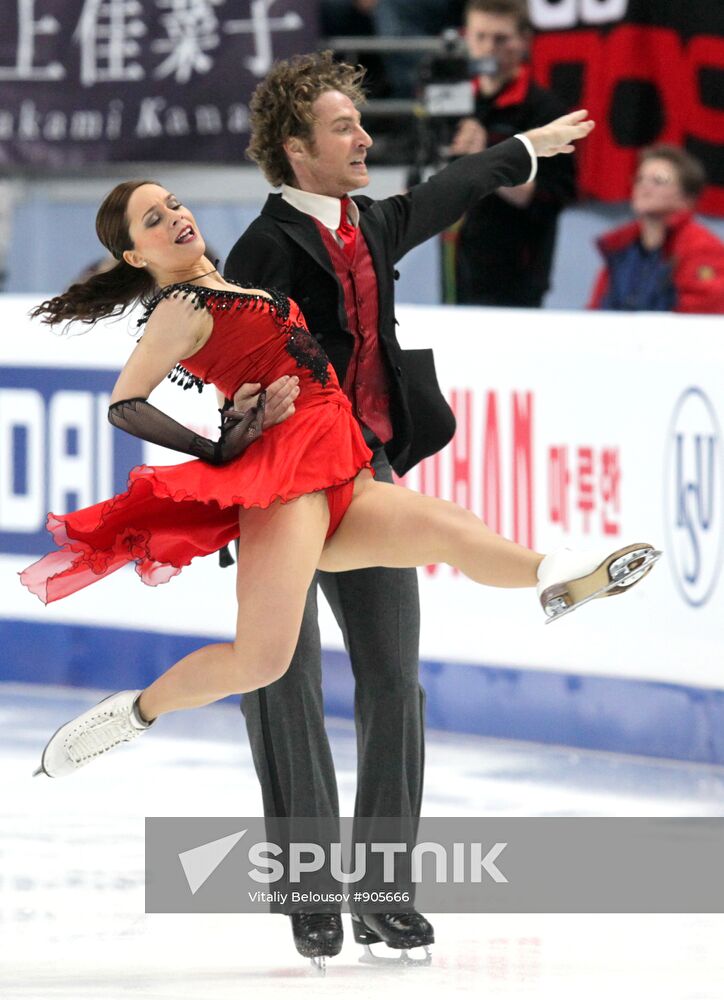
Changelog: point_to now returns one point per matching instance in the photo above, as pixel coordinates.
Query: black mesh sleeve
(139, 417)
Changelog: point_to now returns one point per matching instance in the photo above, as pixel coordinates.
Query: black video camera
(445, 79)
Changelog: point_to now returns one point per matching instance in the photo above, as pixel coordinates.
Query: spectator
(506, 242)
(404, 18)
(664, 260)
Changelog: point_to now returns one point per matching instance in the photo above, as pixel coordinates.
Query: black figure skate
(317, 936)
(401, 931)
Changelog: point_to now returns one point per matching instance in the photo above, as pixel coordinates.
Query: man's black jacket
(283, 249)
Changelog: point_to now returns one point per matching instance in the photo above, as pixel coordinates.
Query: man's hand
(559, 136)
(280, 396)
(470, 137)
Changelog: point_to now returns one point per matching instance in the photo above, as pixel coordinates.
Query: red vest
(365, 382)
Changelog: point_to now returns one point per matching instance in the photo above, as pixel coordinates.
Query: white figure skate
(112, 721)
(568, 580)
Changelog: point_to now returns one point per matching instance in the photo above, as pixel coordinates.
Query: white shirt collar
(320, 206)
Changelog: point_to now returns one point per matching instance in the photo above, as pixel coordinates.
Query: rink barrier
(574, 429)
(562, 708)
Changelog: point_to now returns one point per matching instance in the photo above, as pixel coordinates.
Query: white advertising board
(587, 430)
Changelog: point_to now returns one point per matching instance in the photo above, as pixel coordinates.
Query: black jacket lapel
(301, 228)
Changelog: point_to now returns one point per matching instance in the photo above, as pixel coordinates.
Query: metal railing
(351, 46)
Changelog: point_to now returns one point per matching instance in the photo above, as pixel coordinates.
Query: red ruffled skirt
(171, 514)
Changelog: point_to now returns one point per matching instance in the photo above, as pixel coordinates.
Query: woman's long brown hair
(110, 292)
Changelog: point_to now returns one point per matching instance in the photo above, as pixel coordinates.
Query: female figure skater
(299, 496)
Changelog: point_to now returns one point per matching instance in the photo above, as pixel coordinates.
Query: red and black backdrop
(648, 71)
(103, 80)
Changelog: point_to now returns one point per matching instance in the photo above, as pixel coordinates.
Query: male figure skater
(336, 257)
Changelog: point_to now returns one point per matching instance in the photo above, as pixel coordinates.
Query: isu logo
(694, 493)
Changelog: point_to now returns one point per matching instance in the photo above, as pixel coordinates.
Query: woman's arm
(175, 331)
(139, 417)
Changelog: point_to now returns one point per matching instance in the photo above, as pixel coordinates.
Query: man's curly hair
(281, 107)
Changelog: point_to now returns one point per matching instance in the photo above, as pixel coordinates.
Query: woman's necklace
(197, 277)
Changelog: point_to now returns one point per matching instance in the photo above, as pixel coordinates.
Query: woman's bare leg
(280, 548)
(388, 525)
(279, 551)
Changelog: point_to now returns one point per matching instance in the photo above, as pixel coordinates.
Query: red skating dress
(171, 514)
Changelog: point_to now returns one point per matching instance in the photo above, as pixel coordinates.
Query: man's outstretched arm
(429, 208)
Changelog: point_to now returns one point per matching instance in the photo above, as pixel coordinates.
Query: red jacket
(697, 256)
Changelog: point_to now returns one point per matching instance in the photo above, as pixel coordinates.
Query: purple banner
(104, 80)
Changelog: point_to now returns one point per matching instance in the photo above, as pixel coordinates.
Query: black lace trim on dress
(307, 352)
(301, 345)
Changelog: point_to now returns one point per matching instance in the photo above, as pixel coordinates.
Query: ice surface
(71, 872)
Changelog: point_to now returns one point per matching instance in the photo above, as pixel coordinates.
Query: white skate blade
(319, 964)
(625, 581)
(404, 958)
